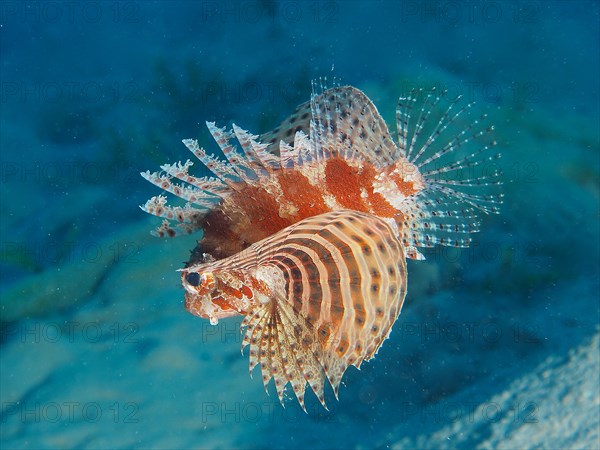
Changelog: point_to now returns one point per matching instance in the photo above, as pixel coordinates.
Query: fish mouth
(201, 306)
(189, 290)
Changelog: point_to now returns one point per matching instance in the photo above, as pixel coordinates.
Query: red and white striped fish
(317, 296)
(306, 230)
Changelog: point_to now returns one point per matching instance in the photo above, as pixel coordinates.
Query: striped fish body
(335, 152)
(317, 296)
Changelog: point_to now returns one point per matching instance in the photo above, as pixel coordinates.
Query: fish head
(216, 294)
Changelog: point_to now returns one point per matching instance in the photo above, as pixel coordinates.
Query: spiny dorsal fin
(347, 123)
(299, 120)
(339, 120)
(178, 220)
(262, 160)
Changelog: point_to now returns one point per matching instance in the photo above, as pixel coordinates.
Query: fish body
(317, 296)
(306, 229)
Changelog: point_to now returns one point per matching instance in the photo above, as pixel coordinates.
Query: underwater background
(497, 346)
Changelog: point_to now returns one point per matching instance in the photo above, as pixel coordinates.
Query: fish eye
(193, 278)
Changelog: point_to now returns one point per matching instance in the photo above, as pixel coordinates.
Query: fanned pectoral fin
(336, 286)
(287, 349)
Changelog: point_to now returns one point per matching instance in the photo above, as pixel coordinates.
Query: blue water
(97, 350)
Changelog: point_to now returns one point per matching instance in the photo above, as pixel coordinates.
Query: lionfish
(306, 229)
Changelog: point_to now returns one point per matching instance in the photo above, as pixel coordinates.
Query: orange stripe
(298, 190)
(342, 182)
